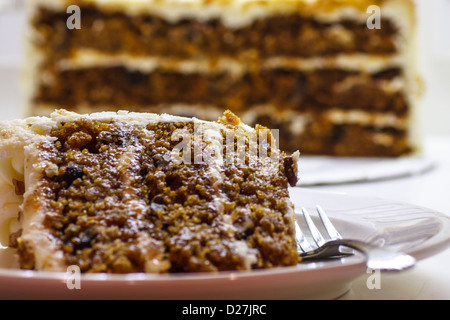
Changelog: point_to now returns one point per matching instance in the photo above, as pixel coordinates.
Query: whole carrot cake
(337, 77)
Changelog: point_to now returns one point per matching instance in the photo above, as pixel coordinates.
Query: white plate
(338, 170)
(419, 231)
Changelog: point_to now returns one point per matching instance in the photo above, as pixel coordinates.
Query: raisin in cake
(139, 192)
(337, 77)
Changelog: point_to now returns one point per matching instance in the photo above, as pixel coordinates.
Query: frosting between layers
(15, 136)
(86, 58)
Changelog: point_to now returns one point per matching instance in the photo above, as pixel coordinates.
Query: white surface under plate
(418, 231)
(323, 170)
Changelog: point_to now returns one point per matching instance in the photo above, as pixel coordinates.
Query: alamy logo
(73, 280)
(374, 21)
(374, 280)
(74, 20)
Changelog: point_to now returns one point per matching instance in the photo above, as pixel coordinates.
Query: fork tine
(377, 257)
(332, 232)
(302, 243)
(317, 236)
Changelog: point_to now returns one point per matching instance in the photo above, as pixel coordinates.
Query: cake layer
(115, 192)
(321, 89)
(144, 35)
(323, 135)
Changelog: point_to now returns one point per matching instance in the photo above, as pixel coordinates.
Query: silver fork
(377, 258)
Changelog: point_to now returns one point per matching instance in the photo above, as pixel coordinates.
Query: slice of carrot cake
(122, 192)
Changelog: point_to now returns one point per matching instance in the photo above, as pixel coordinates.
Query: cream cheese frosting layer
(87, 58)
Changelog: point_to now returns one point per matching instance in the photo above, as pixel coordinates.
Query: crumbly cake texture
(313, 69)
(104, 191)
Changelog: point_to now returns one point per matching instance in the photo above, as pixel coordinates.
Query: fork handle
(378, 258)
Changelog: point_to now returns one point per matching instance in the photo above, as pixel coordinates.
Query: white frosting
(13, 138)
(9, 206)
(11, 168)
(360, 117)
(87, 58)
(247, 254)
(336, 116)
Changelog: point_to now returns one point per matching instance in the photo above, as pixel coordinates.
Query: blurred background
(433, 54)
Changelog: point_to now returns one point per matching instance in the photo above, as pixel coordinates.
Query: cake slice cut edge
(123, 192)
